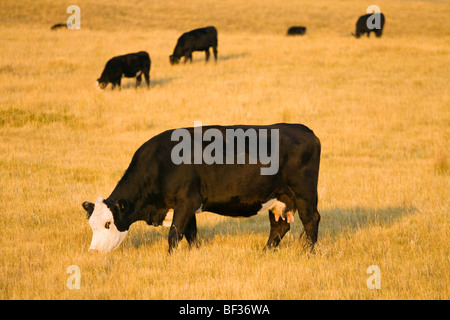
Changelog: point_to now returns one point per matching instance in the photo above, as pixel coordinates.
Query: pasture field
(381, 108)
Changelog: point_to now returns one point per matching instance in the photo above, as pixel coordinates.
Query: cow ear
(125, 206)
(121, 213)
(89, 207)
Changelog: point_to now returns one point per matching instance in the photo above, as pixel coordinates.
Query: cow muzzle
(104, 242)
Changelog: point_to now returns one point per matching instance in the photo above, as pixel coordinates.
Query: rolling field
(381, 108)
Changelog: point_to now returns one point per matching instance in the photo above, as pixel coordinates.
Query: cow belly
(239, 209)
(132, 74)
(202, 48)
(234, 208)
(277, 207)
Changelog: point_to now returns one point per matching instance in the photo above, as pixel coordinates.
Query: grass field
(381, 108)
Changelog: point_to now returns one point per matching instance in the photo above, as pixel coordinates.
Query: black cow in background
(362, 27)
(58, 26)
(294, 31)
(129, 65)
(196, 40)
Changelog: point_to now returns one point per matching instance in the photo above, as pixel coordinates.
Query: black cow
(196, 40)
(294, 31)
(362, 25)
(58, 26)
(129, 65)
(154, 183)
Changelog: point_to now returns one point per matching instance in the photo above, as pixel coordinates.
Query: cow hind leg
(277, 231)
(310, 217)
(175, 236)
(207, 55)
(147, 78)
(215, 53)
(191, 233)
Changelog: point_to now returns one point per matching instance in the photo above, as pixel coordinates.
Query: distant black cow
(294, 31)
(196, 40)
(129, 65)
(58, 26)
(363, 27)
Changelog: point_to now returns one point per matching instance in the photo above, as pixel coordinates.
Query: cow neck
(130, 187)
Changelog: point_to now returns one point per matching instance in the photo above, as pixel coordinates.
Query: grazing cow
(375, 24)
(154, 183)
(196, 40)
(294, 31)
(129, 65)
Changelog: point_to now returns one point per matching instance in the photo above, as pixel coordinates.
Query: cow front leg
(138, 81)
(183, 223)
(188, 56)
(191, 233)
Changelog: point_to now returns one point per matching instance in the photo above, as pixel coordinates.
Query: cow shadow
(233, 56)
(154, 82)
(334, 222)
(160, 81)
(200, 58)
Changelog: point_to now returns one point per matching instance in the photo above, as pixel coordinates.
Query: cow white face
(99, 84)
(106, 237)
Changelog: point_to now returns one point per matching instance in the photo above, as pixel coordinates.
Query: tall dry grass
(379, 106)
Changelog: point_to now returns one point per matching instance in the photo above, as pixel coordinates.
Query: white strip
(278, 208)
(168, 219)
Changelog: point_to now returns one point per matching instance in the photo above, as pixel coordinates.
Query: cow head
(108, 222)
(174, 59)
(101, 84)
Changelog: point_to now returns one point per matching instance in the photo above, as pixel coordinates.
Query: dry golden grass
(380, 107)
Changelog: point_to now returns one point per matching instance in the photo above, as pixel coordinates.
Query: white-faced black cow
(296, 31)
(196, 40)
(156, 182)
(129, 65)
(372, 22)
